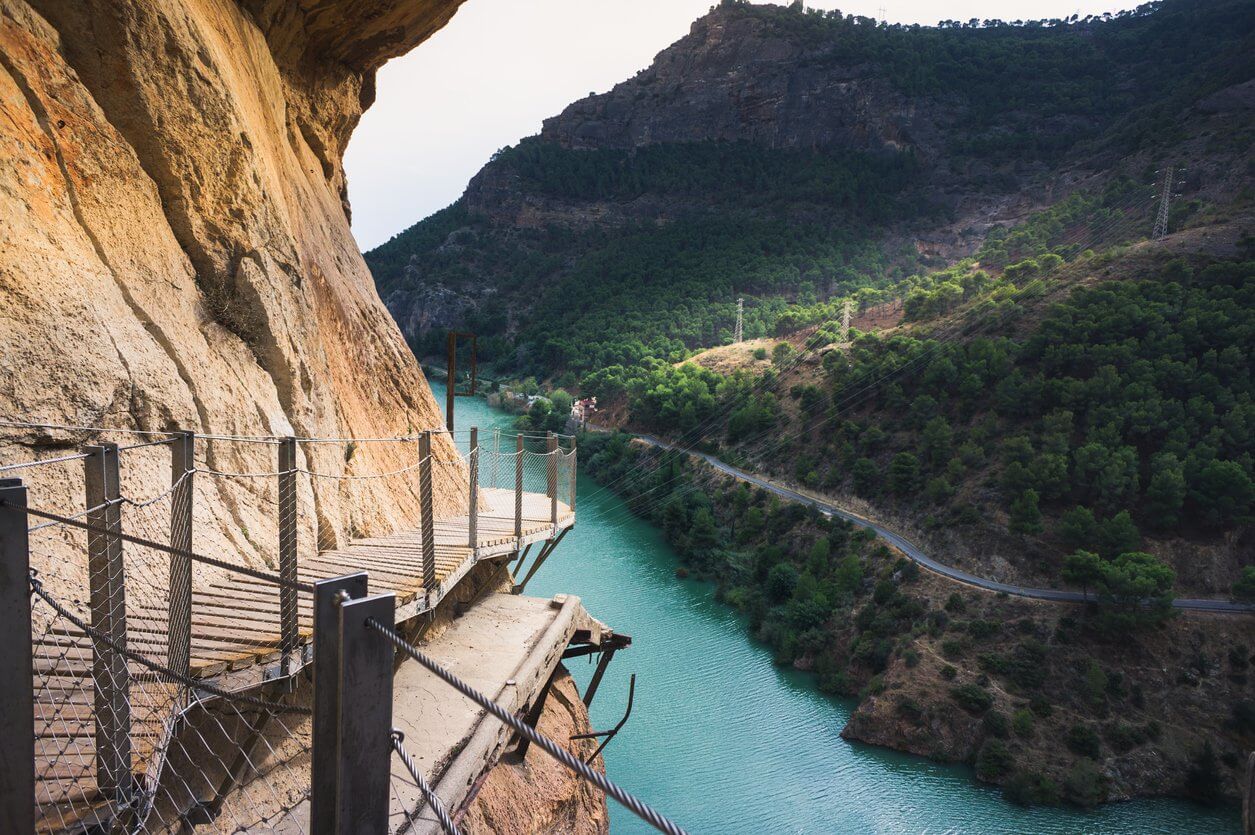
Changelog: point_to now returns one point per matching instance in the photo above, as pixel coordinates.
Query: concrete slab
(506, 646)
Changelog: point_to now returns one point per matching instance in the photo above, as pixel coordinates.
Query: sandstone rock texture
(175, 247)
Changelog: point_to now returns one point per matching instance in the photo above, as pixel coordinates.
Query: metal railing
(159, 672)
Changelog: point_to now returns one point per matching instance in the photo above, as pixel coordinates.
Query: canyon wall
(175, 248)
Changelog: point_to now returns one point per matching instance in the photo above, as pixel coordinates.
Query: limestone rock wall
(174, 239)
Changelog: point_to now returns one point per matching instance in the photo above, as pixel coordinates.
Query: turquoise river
(724, 741)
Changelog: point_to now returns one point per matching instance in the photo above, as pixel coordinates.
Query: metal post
(17, 720)
(518, 486)
(552, 482)
(289, 625)
(364, 753)
(182, 469)
(107, 581)
(426, 507)
(325, 731)
(496, 458)
(451, 353)
(472, 496)
(574, 474)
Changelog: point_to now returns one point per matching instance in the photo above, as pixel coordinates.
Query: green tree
(1078, 528)
(1082, 568)
(866, 477)
(781, 581)
(1244, 588)
(903, 474)
(1223, 492)
(704, 534)
(1025, 515)
(1138, 584)
(1165, 495)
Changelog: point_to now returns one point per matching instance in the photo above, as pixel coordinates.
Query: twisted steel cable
(158, 546)
(429, 794)
(634, 805)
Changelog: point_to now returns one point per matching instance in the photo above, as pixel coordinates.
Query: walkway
(913, 552)
(104, 719)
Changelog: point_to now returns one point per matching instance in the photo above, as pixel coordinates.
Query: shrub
(948, 672)
(1022, 723)
(952, 649)
(1029, 788)
(994, 760)
(1084, 784)
(955, 603)
(1083, 741)
(996, 724)
(971, 698)
(981, 629)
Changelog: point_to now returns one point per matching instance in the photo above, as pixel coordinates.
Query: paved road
(914, 553)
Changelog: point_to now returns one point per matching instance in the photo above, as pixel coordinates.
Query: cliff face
(538, 794)
(739, 78)
(175, 250)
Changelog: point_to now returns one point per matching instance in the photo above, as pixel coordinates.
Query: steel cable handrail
(637, 807)
(429, 794)
(158, 546)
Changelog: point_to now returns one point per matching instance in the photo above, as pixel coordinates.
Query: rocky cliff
(841, 152)
(175, 250)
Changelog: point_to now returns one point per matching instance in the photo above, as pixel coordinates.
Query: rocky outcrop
(538, 794)
(741, 77)
(176, 251)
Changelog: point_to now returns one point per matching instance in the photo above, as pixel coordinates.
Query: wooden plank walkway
(235, 626)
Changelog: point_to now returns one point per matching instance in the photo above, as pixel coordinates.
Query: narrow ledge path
(913, 552)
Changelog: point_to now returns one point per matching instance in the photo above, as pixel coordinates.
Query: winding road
(914, 553)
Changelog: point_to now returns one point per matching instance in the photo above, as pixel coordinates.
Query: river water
(724, 741)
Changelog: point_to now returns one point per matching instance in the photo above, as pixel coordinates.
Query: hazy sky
(500, 67)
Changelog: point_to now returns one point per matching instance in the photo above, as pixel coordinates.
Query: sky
(501, 67)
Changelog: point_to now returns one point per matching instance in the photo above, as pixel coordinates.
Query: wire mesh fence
(173, 606)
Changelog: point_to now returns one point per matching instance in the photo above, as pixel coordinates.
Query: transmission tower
(845, 321)
(739, 335)
(1165, 203)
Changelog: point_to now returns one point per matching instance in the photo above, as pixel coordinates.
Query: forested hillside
(1047, 380)
(794, 157)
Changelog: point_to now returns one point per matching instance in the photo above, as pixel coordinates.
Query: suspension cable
(586, 772)
(429, 794)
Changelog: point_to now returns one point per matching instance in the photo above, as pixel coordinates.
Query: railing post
(17, 720)
(574, 473)
(107, 582)
(496, 458)
(428, 523)
(472, 495)
(552, 483)
(365, 760)
(289, 625)
(182, 470)
(518, 486)
(325, 732)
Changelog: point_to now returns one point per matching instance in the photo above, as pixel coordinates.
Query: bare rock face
(539, 795)
(175, 247)
(736, 77)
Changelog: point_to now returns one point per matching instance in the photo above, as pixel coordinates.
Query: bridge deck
(235, 626)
